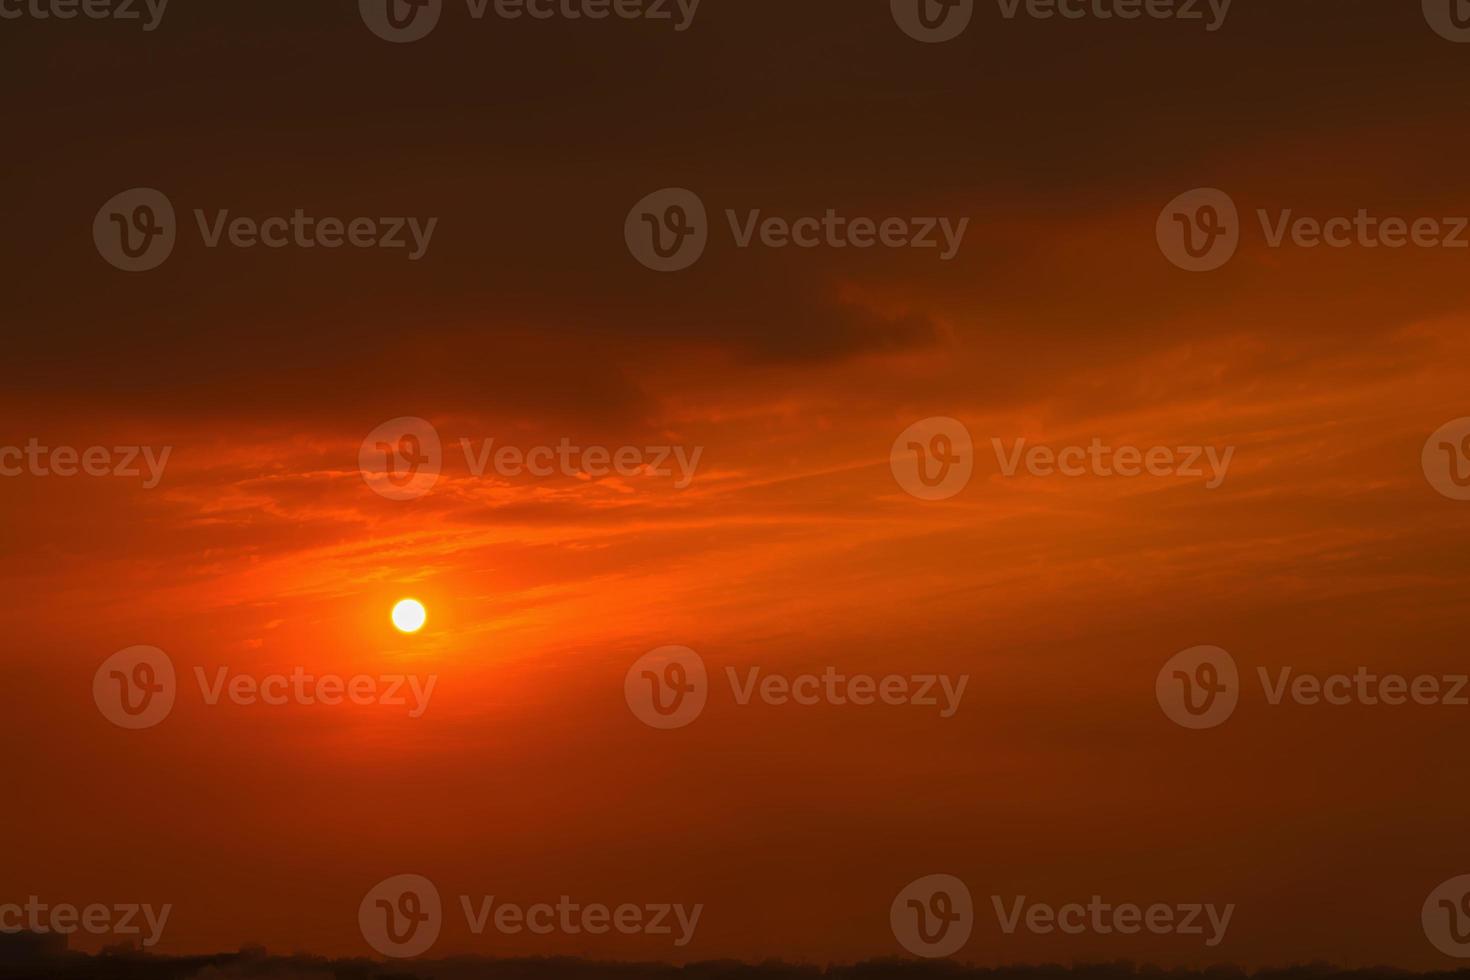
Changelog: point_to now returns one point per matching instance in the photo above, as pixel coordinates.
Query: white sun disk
(409, 615)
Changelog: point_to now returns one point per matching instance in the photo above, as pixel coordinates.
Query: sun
(409, 615)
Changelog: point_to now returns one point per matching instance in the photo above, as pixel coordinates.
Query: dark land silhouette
(28, 958)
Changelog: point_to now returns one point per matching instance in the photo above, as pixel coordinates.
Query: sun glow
(409, 615)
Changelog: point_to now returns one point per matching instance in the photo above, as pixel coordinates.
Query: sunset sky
(793, 549)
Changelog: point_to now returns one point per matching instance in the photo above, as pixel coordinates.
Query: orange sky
(793, 550)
